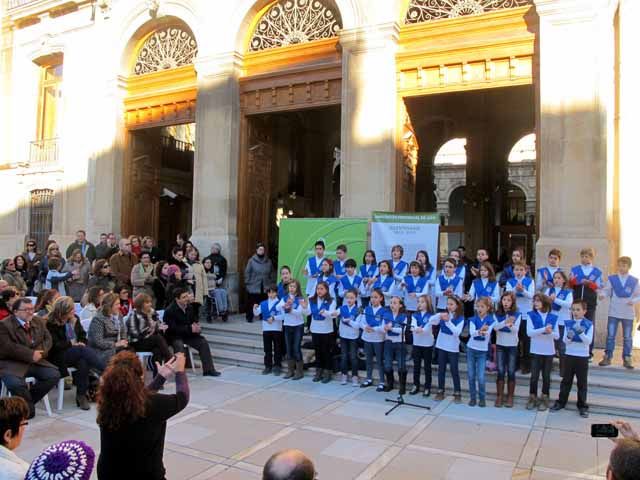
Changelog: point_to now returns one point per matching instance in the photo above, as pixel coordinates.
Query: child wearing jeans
(349, 331)
(451, 323)
(292, 307)
(394, 347)
(586, 280)
(480, 328)
(373, 335)
(423, 340)
(507, 326)
(322, 308)
(368, 273)
(561, 301)
(542, 327)
(624, 292)
(272, 338)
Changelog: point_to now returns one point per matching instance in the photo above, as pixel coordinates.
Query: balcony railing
(44, 153)
(11, 4)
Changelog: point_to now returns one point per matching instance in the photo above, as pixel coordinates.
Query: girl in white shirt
(292, 307)
(448, 284)
(368, 272)
(394, 348)
(561, 300)
(385, 281)
(272, 336)
(414, 286)
(507, 327)
(373, 335)
(423, 340)
(542, 327)
(480, 327)
(322, 308)
(349, 331)
(450, 322)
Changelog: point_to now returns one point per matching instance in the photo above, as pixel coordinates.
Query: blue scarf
(384, 286)
(346, 312)
(421, 318)
(526, 281)
(330, 280)
(479, 323)
(295, 304)
(373, 319)
(502, 318)
(368, 271)
(536, 320)
(315, 310)
(626, 290)
(338, 268)
(400, 266)
(484, 291)
(398, 321)
(561, 294)
(579, 274)
(456, 321)
(547, 276)
(573, 324)
(348, 285)
(314, 266)
(413, 286)
(444, 283)
(267, 312)
(281, 291)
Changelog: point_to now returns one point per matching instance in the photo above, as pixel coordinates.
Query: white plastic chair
(145, 358)
(193, 363)
(61, 389)
(4, 392)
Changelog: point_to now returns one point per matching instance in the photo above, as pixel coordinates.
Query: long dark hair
(327, 297)
(122, 396)
(427, 266)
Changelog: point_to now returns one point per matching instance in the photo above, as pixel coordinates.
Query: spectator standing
(69, 348)
(148, 245)
(24, 345)
(108, 248)
(258, 274)
(219, 269)
(81, 243)
(107, 332)
(184, 329)
(102, 276)
(199, 278)
(159, 285)
(56, 279)
(14, 413)
(34, 259)
(53, 251)
(133, 419)
(143, 275)
(122, 262)
(11, 275)
(77, 284)
(136, 245)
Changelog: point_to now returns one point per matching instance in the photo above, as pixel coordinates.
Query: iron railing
(43, 153)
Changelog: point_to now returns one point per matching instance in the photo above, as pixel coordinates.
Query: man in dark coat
(84, 245)
(24, 345)
(184, 329)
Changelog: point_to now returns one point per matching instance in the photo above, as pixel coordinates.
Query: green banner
(298, 236)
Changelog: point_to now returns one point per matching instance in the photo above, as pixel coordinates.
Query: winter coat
(105, 282)
(89, 254)
(14, 279)
(219, 266)
(77, 287)
(60, 344)
(258, 274)
(121, 266)
(16, 351)
(12, 467)
(200, 282)
(103, 335)
(142, 280)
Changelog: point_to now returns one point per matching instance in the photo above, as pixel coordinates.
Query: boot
(605, 362)
(326, 376)
(533, 401)
(299, 370)
(499, 393)
(511, 388)
(389, 385)
(627, 363)
(403, 383)
(318, 376)
(543, 405)
(291, 365)
(83, 402)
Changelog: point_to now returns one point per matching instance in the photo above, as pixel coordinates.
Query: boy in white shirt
(524, 288)
(312, 269)
(624, 292)
(272, 338)
(544, 275)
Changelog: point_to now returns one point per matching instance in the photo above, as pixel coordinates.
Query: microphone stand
(399, 401)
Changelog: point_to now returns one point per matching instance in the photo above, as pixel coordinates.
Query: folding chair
(4, 392)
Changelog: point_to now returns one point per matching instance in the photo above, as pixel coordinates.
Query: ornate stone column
(369, 114)
(215, 178)
(574, 192)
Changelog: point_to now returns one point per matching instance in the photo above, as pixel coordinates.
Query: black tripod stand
(399, 401)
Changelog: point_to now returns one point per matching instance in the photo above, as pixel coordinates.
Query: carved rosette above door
(166, 49)
(427, 10)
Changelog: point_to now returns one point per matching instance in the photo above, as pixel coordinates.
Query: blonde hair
(588, 251)
(62, 307)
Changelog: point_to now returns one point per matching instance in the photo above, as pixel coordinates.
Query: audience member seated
(133, 419)
(145, 330)
(289, 465)
(107, 332)
(184, 329)
(13, 421)
(94, 300)
(24, 345)
(69, 348)
(122, 262)
(68, 460)
(102, 276)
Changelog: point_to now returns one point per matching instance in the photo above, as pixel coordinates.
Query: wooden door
(142, 188)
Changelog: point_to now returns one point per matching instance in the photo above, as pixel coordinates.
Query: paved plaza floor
(235, 422)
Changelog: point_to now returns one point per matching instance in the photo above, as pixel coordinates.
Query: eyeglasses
(24, 424)
(26, 309)
(31, 244)
(127, 244)
(105, 266)
(55, 248)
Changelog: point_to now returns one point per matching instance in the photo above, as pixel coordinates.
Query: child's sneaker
(343, 379)
(354, 381)
(584, 413)
(380, 387)
(627, 363)
(605, 362)
(440, 395)
(366, 383)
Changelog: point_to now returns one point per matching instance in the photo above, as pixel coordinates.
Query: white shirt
(397, 329)
(541, 282)
(441, 299)
(619, 307)
(12, 467)
(424, 339)
(276, 325)
(313, 281)
(482, 342)
(348, 328)
(542, 343)
(378, 334)
(578, 349)
(411, 301)
(495, 295)
(86, 315)
(294, 317)
(342, 290)
(524, 302)
(364, 290)
(565, 306)
(508, 338)
(399, 276)
(325, 324)
(448, 342)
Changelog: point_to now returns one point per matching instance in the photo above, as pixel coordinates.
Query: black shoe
(427, 392)
(277, 371)
(83, 402)
(366, 383)
(267, 370)
(472, 402)
(380, 387)
(557, 406)
(584, 413)
(212, 373)
(415, 390)
(482, 403)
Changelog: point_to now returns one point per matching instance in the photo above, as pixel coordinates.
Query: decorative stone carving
(166, 49)
(427, 10)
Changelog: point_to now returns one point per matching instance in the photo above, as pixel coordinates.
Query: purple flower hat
(68, 460)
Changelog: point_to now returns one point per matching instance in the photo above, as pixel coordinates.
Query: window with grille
(41, 216)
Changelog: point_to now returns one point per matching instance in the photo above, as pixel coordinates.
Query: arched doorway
(160, 131)
(290, 119)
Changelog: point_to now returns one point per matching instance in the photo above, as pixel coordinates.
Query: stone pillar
(627, 130)
(215, 178)
(369, 110)
(575, 42)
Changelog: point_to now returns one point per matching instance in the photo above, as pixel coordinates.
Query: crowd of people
(516, 319)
